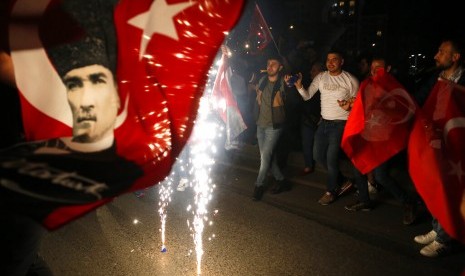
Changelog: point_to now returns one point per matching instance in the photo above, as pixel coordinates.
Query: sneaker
(281, 186)
(426, 238)
(327, 198)
(410, 213)
(372, 188)
(345, 187)
(359, 206)
(139, 194)
(435, 249)
(307, 170)
(182, 185)
(258, 193)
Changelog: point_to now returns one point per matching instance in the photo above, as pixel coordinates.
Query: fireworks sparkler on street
(199, 159)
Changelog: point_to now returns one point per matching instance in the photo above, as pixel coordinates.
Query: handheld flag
(436, 156)
(228, 108)
(379, 123)
(259, 32)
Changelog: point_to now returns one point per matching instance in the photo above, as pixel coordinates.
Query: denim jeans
(267, 138)
(442, 236)
(382, 177)
(308, 136)
(326, 149)
(361, 182)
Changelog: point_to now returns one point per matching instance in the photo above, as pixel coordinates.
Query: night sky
(412, 26)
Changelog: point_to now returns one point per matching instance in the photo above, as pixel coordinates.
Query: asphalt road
(286, 234)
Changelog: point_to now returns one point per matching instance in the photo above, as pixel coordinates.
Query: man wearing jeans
(270, 116)
(449, 64)
(337, 87)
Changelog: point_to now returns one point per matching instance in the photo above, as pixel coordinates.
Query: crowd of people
(323, 99)
(311, 106)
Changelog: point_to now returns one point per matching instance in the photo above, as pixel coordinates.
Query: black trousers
(20, 239)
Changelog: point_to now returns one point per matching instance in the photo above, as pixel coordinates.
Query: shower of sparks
(164, 192)
(202, 149)
(195, 163)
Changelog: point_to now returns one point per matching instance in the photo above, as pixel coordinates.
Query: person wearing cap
(84, 167)
(40, 177)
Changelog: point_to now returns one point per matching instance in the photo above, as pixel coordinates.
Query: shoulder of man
(350, 75)
(321, 75)
(461, 80)
(262, 82)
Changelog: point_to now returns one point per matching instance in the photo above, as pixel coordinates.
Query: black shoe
(281, 186)
(410, 213)
(258, 193)
(346, 187)
(359, 206)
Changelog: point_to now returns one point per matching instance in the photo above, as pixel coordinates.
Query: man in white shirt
(337, 88)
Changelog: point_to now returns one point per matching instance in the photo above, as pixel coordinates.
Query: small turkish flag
(259, 32)
(437, 156)
(228, 108)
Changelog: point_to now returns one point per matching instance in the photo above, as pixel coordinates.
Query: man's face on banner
(93, 98)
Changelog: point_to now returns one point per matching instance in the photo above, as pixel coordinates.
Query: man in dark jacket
(449, 64)
(270, 117)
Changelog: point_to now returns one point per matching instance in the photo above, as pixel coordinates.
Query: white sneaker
(434, 249)
(182, 184)
(371, 188)
(426, 238)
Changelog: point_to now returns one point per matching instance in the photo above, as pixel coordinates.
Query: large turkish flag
(379, 123)
(161, 50)
(437, 156)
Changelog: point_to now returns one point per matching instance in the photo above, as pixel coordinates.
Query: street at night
(284, 234)
(102, 99)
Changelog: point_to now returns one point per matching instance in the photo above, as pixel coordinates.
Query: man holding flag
(377, 129)
(437, 142)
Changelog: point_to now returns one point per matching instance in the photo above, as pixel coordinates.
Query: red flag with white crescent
(437, 156)
(109, 93)
(379, 123)
(227, 104)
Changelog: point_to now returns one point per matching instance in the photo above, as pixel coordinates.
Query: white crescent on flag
(40, 84)
(453, 123)
(399, 92)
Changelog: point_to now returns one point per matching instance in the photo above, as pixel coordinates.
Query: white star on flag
(456, 169)
(374, 120)
(158, 19)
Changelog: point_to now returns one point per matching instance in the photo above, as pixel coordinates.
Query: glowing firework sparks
(202, 148)
(199, 159)
(165, 192)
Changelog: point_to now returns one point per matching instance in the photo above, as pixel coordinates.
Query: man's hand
(297, 83)
(346, 104)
